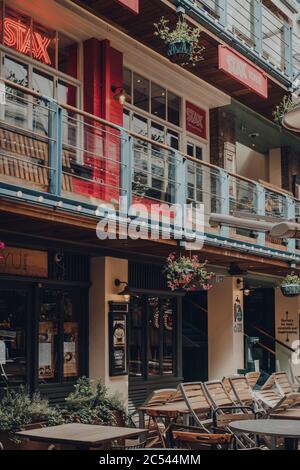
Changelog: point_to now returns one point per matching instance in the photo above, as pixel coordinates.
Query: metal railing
(255, 26)
(57, 151)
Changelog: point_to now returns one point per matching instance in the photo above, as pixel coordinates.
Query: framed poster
(70, 349)
(118, 344)
(46, 350)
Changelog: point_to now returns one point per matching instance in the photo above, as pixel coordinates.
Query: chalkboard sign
(117, 342)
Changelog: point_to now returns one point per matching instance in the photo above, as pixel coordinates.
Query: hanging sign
(23, 262)
(132, 5)
(243, 70)
(195, 120)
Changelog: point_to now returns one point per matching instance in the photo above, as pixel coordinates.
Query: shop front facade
(61, 312)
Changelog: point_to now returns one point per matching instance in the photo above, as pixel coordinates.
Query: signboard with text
(24, 262)
(195, 120)
(242, 70)
(132, 5)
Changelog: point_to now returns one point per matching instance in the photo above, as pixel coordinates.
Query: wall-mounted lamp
(244, 287)
(126, 293)
(120, 94)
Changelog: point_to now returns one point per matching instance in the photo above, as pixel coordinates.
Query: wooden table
(293, 413)
(288, 429)
(82, 436)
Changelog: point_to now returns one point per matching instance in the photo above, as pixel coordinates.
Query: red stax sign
(21, 37)
(242, 70)
(132, 5)
(195, 120)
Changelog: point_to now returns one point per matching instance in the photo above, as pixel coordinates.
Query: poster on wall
(117, 343)
(238, 316)
(70, 349)
(46, 350)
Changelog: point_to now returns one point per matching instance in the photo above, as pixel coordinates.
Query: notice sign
(23, 262)
(195, 120)
(132, 5)
(287, 327)
(242, 70)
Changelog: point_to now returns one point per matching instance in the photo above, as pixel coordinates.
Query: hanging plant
(187, 273)
(286, 105)
(183, 42)
(290, 286)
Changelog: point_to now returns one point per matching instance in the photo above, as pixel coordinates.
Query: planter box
(23, 444)
(290, 290)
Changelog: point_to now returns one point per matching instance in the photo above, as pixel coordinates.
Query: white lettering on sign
(194, 118)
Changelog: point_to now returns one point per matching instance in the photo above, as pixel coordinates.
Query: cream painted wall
(104, 271)
(283, 305)
(225, 346)
(250, 163)
(275, 167)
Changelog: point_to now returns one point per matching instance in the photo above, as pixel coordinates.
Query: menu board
(118, 343)
(70, 349)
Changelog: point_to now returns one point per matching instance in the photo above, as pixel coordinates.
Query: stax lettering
(194, 118)
(21, 37)
(239, 69)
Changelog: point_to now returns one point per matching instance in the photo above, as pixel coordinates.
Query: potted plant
(20, 411)
(187, 273)
(290, 286)
(283, 108)
(183, 42)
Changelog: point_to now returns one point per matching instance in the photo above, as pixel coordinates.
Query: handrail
(271, 337)
(263, 346)
(85, 114)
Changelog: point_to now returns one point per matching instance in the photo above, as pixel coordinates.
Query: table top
(268, 427)
(81, 434)
(167, 409)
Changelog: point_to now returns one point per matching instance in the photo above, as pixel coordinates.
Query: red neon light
(23, 39)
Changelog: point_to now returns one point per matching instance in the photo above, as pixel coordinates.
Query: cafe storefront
(43, 319)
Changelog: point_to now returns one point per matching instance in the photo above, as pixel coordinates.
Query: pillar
(222, 138)
(104, 271)
(286, 329)
(225, 329)
(275, 177)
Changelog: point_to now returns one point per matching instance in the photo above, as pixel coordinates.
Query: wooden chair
(252, 378)
(226, 410)
(190, 437)
(284, 384)
(197, 403)
(244, 394)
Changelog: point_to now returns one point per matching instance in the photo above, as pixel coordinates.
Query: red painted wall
(103, 67)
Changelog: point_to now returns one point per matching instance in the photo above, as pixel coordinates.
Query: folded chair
(252, 378)
(191, 437)
(197, 403)
(284, 384)
(244, 395)
(226, 410)
(273, 400)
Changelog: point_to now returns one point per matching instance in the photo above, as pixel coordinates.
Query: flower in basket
(290, 286)
(187, 273)
(182, 41)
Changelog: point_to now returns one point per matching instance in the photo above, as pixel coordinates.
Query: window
(47, 46)
(59, 340)
(14, 305)
(152, 97)
(194, 173)
(152, 336)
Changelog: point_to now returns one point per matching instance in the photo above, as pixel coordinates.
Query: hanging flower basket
(187, 273)
(179, 52)
(290, 287)
(183, 41)
(285, 106)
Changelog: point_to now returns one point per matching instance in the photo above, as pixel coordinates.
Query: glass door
(14, 345)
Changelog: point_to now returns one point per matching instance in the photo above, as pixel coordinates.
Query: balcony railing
(252, 25)
(55, 154)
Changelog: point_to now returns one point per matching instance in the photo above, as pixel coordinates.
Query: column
(104, 271)
(225, 329)
(275, 176)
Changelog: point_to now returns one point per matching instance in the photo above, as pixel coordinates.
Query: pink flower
(2, 245)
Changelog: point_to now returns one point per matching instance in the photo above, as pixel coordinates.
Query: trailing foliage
(283, 108)
(187, 273)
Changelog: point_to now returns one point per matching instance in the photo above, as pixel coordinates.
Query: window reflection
(13, 320)
(140, 92)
